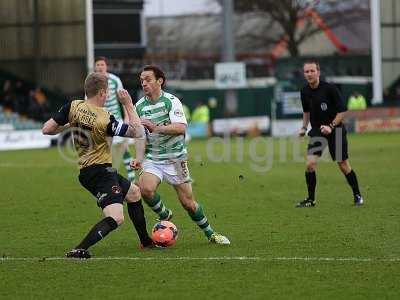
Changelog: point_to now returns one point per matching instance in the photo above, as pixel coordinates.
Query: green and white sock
(201, 220)
(157, 206)
(127, 159)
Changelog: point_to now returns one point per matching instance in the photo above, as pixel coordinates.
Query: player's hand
(124, 97)
(135, 164)
(148, 124)
(325, 130)
(302, 132)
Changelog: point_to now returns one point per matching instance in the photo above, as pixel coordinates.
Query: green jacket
(357, 103)
(201, 114)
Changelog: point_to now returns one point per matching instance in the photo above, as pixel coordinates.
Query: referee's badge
(324, 106)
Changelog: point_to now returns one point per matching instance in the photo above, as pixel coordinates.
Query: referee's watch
(332, 125)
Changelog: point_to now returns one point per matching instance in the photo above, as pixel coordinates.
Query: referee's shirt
(323, 103)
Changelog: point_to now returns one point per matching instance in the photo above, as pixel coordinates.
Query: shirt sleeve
(116, 127)
(304, 102)
(61, 116)
(176, 114)
(337, 99)
(119, 84)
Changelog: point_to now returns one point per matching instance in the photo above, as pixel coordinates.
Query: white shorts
(173, 173)
(116, 140)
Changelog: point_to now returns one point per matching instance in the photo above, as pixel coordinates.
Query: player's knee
(147, 192)
(133, 194)
(119, 219)
(310, 166)
(344, 167)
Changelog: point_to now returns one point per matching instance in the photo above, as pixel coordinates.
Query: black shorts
(336, 142)
(105, 184)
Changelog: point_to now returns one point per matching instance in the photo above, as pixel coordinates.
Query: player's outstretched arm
(119, 128)
(137, 132)
(52, 128)
(127, 104)
(173, 129)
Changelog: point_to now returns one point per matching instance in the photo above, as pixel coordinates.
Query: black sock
(352, 180)
(136, 213)
(98, 232)
(311, 180)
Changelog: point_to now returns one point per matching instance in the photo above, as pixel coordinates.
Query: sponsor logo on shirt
(324, 106)
(178, 113)
(116, 189)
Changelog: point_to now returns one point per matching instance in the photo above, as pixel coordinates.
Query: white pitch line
(352, 259)
(231, 258)
(132, 258)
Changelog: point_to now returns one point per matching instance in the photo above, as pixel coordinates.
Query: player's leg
(338, 148)
(136, 211)
(196, 213)
(120, 153)
(185, 195)
(311, 181)
(117, 151)
(113, 217)
(149, 181)
(351, 178)
(311, 177)
(102, 182)
(315, 147)
(127, 158)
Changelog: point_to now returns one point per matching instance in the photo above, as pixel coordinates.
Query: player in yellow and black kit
(92, 127)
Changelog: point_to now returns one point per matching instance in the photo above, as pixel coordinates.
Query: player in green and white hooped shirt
(166, 155)
(112, 105)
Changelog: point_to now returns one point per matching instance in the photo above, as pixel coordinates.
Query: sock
(136, 213)
(127, 159)
(157, 206)
(311, 180)
(201, 220)
(352, 180)
(98, 232)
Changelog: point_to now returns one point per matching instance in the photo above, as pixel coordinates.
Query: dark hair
(312, 61)
(103, 58)
(158, 73)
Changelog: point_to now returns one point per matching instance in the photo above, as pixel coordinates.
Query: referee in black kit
(323, 107)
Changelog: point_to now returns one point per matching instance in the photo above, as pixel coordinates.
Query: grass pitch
(331, 251)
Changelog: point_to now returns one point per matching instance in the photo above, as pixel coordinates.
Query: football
(164, 234)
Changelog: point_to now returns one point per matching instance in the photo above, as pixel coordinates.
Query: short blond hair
(95, 82)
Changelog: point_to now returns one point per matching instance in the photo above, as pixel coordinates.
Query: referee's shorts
(336, 142)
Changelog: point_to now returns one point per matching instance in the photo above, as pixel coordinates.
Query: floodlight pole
(376, 49)
(89, 36)
(37, 44)
(228, 50)
(228, 54)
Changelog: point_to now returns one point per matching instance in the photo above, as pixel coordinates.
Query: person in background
(201, 113)
(324, 109)
(356, 102)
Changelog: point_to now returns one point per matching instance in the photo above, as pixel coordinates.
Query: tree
(295, 19)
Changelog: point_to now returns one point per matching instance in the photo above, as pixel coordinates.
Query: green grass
(45, 212)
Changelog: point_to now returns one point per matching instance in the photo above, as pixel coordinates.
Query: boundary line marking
(226, 258)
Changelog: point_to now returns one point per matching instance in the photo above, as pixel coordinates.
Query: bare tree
(297, 20)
